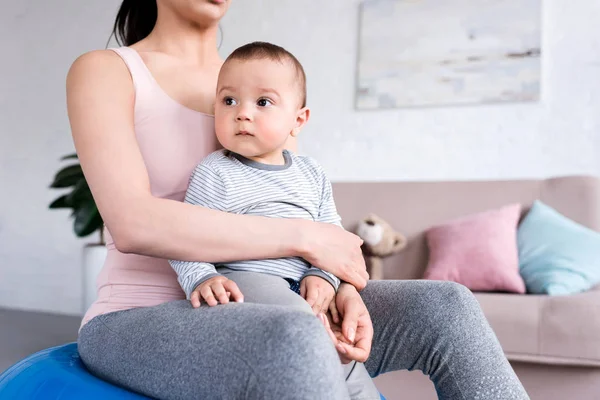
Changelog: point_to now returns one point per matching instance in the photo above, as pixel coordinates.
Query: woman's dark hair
(135, 20)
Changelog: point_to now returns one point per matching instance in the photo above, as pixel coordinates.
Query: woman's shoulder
(96, 59)
(98, 65)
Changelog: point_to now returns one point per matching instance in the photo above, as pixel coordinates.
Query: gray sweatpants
(265, 351)
(270, 289)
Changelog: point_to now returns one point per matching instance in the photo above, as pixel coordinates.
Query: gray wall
(40, 258)
(39, 255)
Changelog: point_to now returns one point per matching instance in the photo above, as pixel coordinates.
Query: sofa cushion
(478, 250)
(557, 256)
(546, 329)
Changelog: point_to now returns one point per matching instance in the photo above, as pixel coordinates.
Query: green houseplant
(86, 221)
(86, 218)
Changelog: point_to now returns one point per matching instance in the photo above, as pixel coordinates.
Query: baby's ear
(301, 119)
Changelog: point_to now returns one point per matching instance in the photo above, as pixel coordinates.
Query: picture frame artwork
(418, 53)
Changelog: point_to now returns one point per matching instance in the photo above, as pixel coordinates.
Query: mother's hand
(333, 249)
(354, 335)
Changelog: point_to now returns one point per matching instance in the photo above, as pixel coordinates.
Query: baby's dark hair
(269, 51)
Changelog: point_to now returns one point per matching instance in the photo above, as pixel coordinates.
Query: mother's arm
(100, 100)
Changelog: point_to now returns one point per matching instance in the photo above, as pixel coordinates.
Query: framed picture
(415, 53)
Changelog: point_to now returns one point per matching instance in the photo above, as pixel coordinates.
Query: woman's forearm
(174, 230)
(179, 231)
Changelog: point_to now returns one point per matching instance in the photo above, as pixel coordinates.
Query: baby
(260, 104)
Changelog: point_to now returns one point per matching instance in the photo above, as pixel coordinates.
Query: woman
(141, 120)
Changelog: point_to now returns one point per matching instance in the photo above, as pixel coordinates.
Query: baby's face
(257, 106)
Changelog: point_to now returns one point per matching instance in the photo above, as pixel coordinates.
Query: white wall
(39, 256)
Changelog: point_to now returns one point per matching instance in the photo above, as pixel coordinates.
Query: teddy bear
(380, 241)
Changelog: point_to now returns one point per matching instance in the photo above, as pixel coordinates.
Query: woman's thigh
(270, 289)
(233, 351)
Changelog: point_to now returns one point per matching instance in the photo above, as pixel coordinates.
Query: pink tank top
(173, 139)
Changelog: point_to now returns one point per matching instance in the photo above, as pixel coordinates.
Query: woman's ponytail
(135, 20)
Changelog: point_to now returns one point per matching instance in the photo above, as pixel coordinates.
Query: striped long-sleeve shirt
(229, 182)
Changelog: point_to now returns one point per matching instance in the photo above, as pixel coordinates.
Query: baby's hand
(216, 290)
(318, 293)
(337, 337)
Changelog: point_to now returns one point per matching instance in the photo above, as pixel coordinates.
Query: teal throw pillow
(557, 256)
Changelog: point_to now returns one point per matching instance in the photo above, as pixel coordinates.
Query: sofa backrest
(413, 207)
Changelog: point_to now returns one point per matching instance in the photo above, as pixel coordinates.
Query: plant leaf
(69, 156)
(67, 176)
(61, 202)
(87, 219)
(80, 193)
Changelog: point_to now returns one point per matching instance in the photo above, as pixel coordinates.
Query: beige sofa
(552, 342)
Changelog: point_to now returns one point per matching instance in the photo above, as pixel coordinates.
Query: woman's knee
(455, 295)
(450, 305)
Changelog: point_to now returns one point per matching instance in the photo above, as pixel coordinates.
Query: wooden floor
(23, 333)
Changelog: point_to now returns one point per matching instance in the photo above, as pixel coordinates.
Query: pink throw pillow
(478, 251)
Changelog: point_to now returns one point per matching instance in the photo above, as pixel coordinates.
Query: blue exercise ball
(57, 374)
